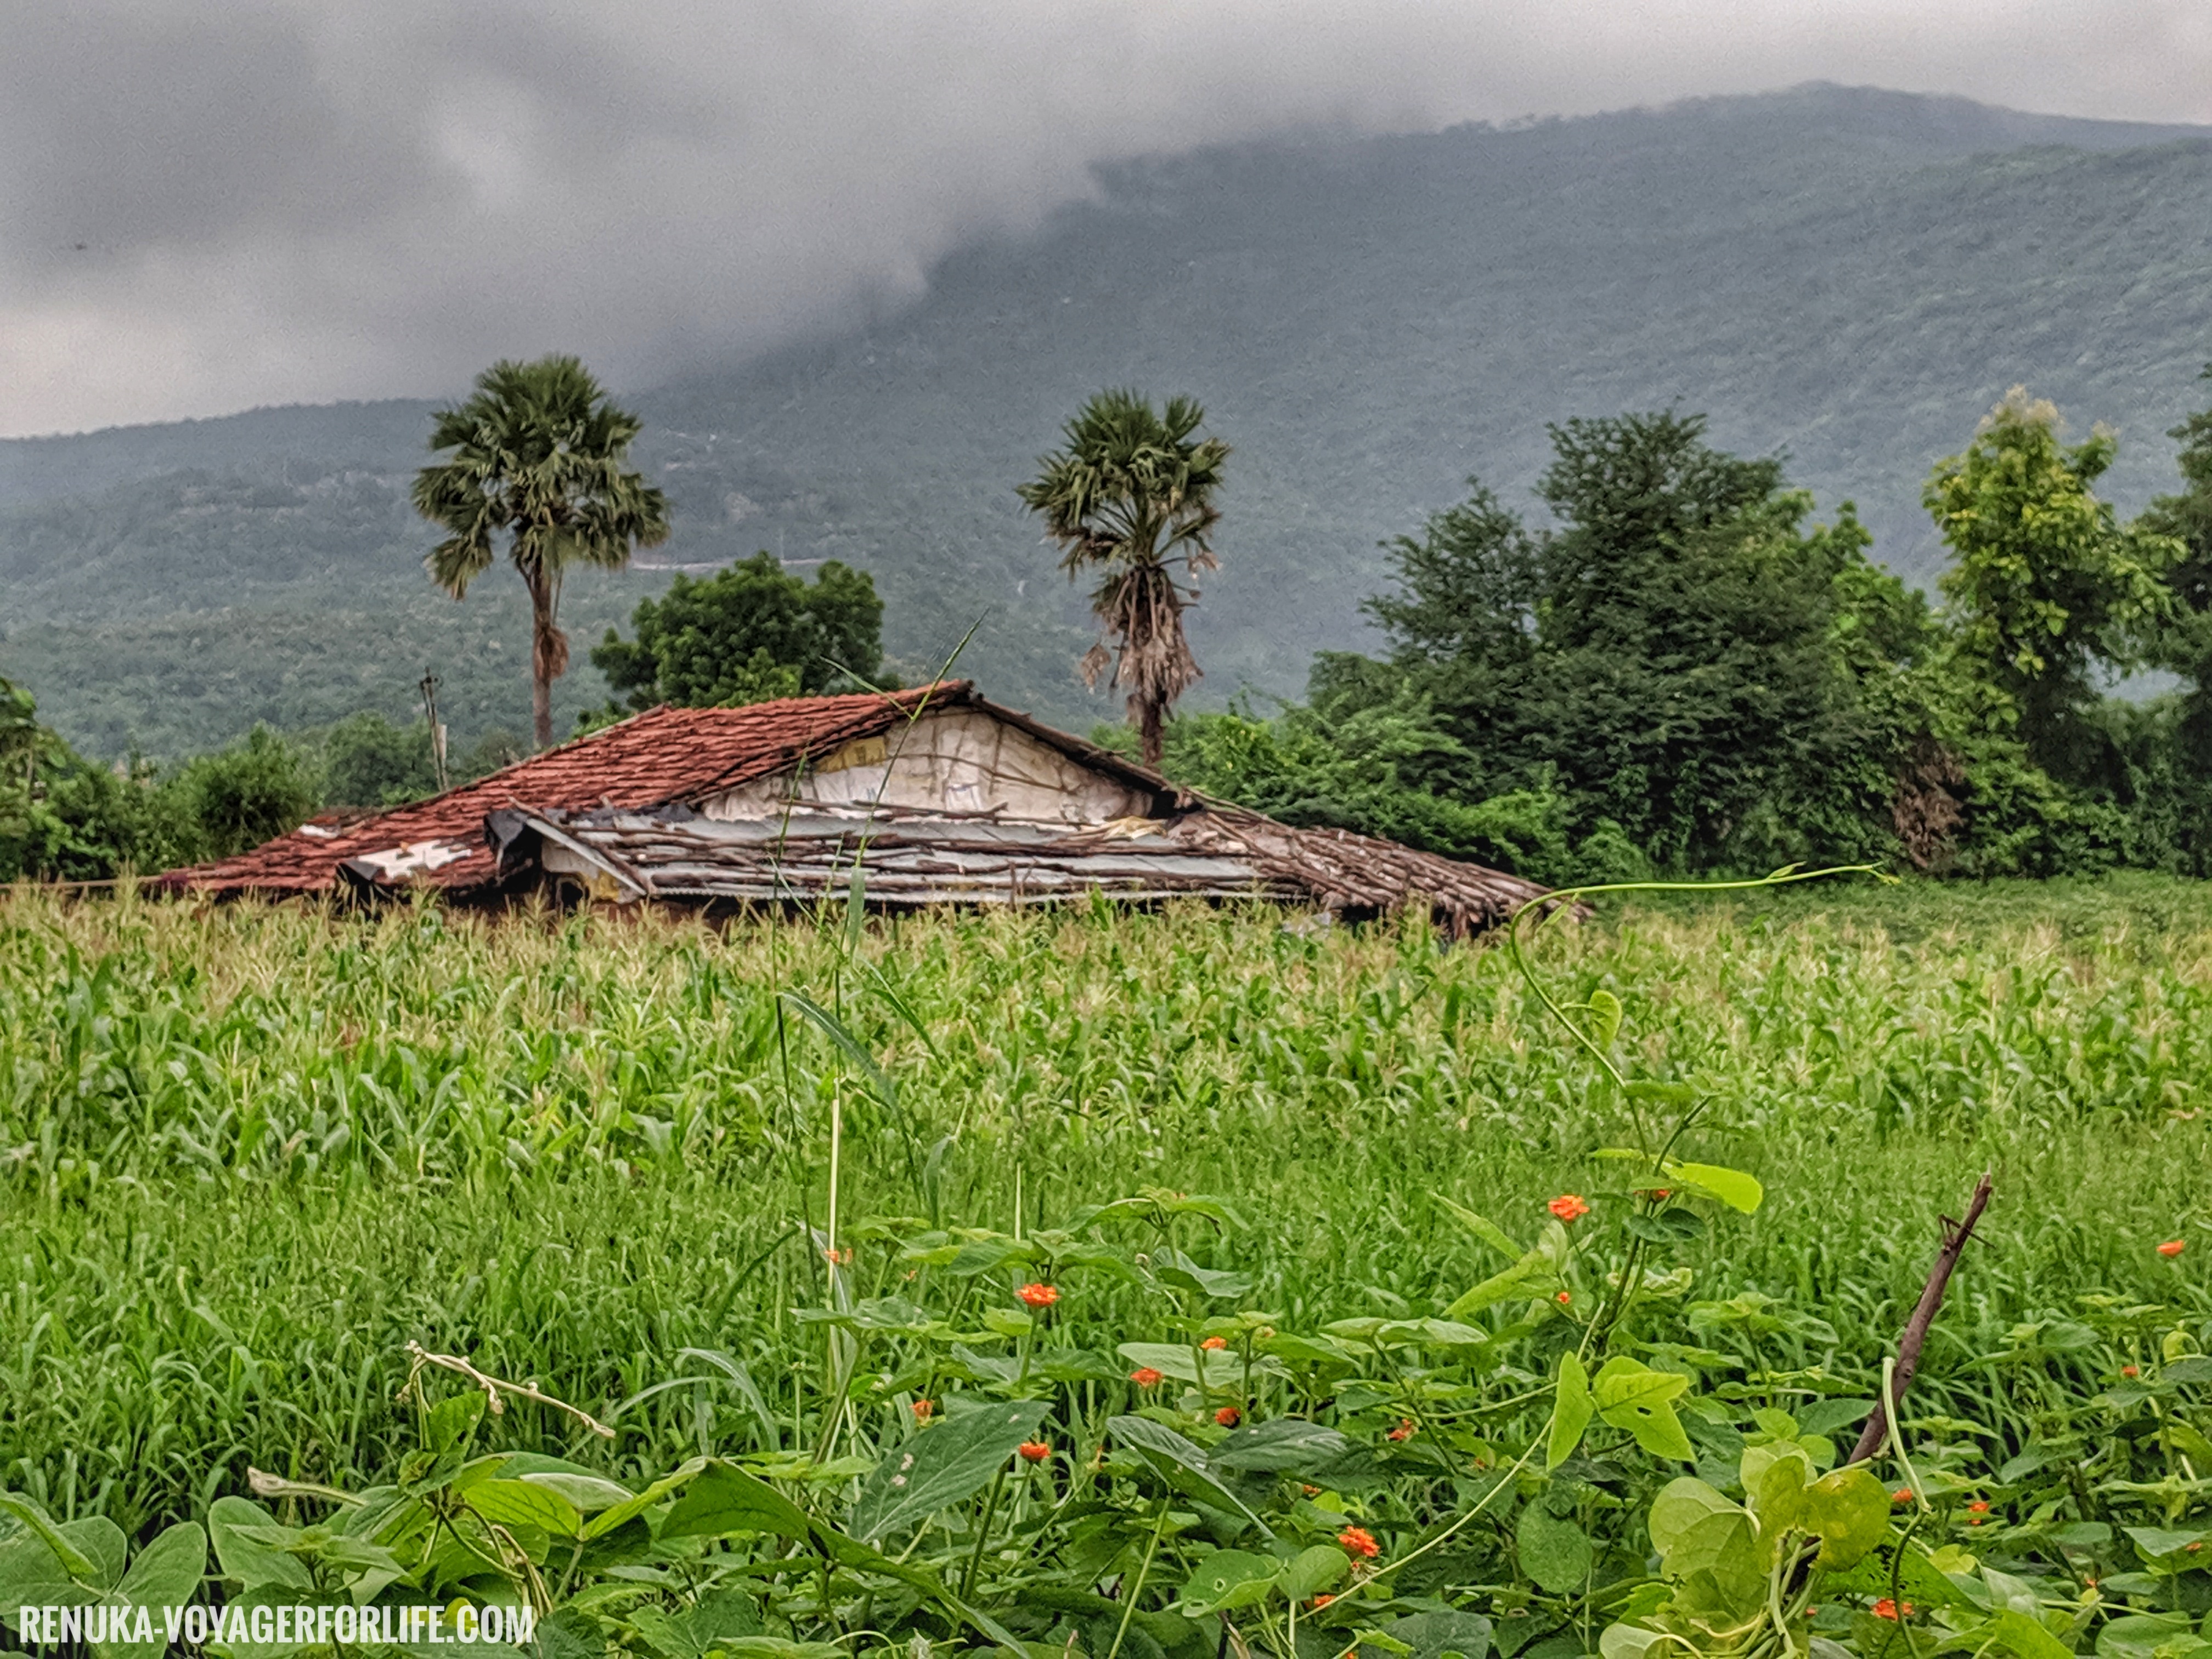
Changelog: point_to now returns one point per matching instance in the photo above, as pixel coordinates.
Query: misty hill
(1847, 276)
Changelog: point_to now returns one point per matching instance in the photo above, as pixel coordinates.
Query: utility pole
(429, 689)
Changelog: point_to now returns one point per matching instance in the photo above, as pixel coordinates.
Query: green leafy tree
(539, 455)
(1692, 667)
(64, 818)
(2046, 587)
(258, 788)
(1128, 498)
(369, 761)
(748, 633)
(2183, 644)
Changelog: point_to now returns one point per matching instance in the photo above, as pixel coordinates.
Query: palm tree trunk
(541, 705)
(1150, 728)
(549, 654)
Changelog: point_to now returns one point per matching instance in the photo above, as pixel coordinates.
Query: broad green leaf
(1440, 1635)
(1174, 1268)
(776, 1647)
(1532, 1275)
(1775, 1477)
(1430, 1333)
(452, 1420)
(1849, 1512)
(1571, 1411)
(2025, 1637)
(233, 1523)
(1486, 1230)
(1632, 1642)
(1180, 1464)
(1696, 1529)
(74, 1559)
(940, 1466)
(620, 1514)
(166, 1573)
(1828, 1416)
(725, 1501)
(1311, 1571)
(526, 1504)
(1665, 1094)
(1733, 1188)
(587, 1494)
(1279, 1445)
(2156, 1543)
(1227, 1579)
(32, 1576)
(1631, 1395)
(1555, 1553)
(1605, 1019)
(2139, 1636)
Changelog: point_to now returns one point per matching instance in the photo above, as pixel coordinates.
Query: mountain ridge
(1848, 275)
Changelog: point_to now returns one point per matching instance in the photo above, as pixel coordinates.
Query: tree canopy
(748, 634)
(1668, 655)
(2046, 585)
(1128, 497)
(538, 454)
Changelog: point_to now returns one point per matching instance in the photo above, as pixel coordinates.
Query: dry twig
(1955, 1235)
(494, 1387)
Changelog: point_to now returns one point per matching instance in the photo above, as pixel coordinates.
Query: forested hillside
(1852, 278)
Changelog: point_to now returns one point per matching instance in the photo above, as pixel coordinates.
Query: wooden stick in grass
(1955, 1235)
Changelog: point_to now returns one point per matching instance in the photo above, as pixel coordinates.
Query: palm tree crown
(539, 453)
(1129, 495)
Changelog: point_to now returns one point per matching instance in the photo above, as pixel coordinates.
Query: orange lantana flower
(1569, 1207)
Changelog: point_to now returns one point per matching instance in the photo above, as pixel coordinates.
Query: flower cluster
(1039, 1296)
(1569, 1207)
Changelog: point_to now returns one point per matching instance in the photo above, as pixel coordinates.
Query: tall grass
(249, 1152)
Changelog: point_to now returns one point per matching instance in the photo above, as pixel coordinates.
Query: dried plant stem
(494, 1387)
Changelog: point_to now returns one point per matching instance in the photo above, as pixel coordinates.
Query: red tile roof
(662, 756)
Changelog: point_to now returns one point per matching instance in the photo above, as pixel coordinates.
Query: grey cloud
(302, 199)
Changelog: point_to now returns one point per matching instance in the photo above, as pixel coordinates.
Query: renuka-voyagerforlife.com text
(457, 1623)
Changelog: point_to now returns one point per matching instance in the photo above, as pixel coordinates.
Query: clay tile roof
(663, 755)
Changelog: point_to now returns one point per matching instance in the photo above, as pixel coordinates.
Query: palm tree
(1129, 496)
(539, 453)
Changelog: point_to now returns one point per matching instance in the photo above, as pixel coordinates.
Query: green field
(248, 1155)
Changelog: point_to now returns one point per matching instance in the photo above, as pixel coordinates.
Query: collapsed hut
(937, 794)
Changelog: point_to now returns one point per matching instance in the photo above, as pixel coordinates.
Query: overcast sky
(207, 208)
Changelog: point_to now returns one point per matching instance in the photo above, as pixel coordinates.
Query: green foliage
(748, 633)
(257, 789)
(366, 761)
(817, 1424)
(2046, 585)
(63, 818)
(1678, 673)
